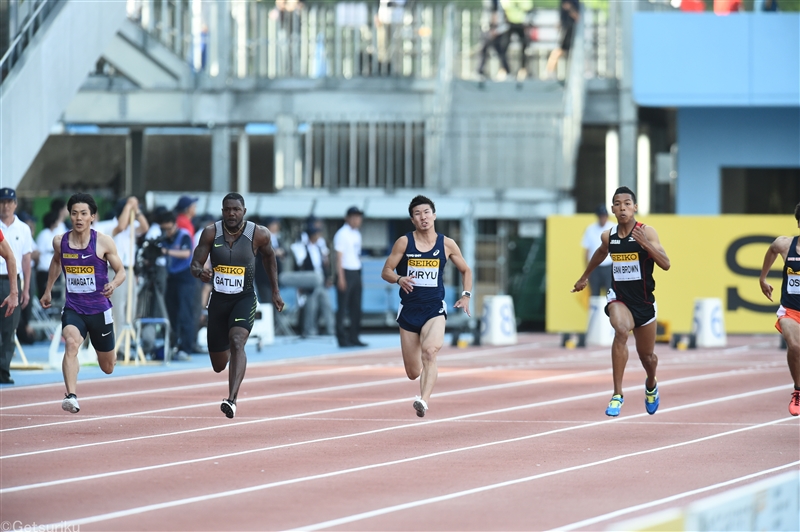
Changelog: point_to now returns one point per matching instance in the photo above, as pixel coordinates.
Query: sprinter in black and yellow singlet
(634, 248)
(419, 258)
(788, 323)
(233, 244)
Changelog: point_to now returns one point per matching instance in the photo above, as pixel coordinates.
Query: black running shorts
(99, 327)
(226, 312)
(413, 317)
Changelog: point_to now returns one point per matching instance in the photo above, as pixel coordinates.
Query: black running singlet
(234, 265)
(632, 269)
(790, 289)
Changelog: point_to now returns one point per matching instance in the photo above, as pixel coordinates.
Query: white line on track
(671, 498)
(395, 401)
(391, 509)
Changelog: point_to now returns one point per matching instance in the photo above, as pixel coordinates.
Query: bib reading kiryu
(229, 279)
(80, 279)
(626, 267)
(425, 272)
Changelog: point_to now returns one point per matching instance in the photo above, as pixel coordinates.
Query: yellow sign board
(718, 256)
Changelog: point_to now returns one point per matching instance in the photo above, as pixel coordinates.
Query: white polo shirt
(347, 241)
(591, 240)
(45, 244)
(122, 239)
(18, 235)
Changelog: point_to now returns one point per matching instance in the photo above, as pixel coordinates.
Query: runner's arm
(653, 246)
(454, 254)
(388, 274)
(201, 255)
(114, 261)
(12, 300)
(52, 274)
(598, 257)
(780, 246)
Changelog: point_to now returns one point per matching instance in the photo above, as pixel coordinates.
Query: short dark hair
(57, 204)
(50, 219)
(623, 190)
(233, 196)
(167, 217)
(797, 212)
(81, 197)
(420, 200)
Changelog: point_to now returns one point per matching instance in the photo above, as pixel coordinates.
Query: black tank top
(234, 266)
(790, 289)
(426, 269)
(632, 269)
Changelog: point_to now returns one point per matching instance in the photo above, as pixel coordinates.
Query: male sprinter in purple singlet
(419, 258)
(84, 256)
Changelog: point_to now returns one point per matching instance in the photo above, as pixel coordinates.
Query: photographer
(176, 246)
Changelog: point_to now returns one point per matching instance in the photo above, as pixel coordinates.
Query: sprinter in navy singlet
(788, 323)
(233, 245)
(84, 256)
(634, 248)
(416, 264)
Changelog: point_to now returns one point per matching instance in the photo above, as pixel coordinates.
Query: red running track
(515, 439)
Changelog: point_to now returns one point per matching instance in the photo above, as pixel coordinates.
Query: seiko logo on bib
(80, 279)
(229, 279)
(792, 281)
(626, 267)
(425, 272)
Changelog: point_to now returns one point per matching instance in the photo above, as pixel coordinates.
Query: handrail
(25, 34)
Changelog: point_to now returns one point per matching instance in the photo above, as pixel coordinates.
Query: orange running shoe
(794, 404)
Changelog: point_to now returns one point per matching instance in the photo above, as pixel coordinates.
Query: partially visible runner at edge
(233, 245)
(419, 258)
(788, 323)
(84, 255)
(634, 248)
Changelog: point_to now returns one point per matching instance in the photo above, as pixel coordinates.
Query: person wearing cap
(313, 264)
(18, 235)
(347, 243)
(600, 279)
(185, 210)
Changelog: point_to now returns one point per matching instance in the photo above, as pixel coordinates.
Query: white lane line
(344, 436)
(390, 402)
(249, 380)
(414, 504)
(314, 413)
(373, 513)
(672, 498)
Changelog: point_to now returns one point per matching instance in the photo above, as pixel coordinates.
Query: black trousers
(349, 303)
(8, 327)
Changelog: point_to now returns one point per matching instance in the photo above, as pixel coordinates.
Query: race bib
(792, 281)
(80, 279)
(425, 272)
(229, 279)
(626, 267)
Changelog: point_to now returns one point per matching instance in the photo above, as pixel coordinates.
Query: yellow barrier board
(718, 256)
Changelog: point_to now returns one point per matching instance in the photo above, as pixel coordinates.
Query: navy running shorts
(643, 313)
(226, 312)
(99, 327)
(413, 317)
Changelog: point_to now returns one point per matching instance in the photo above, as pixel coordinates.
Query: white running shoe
(70, 403)
(228, 408)
(421, 407)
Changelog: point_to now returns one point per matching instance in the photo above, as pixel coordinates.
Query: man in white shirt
(119, 229)
(18, 235)
(600, 278)
(347, 243)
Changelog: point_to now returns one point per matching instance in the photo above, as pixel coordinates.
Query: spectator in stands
(119, 228)
(263, 286)
(726, 7)
(347, 243)
(600, 278)
(570, 12)
(18, 235)
(492, 38)
(181, 285)
(516, 12)
(311, 259)
(185, 210)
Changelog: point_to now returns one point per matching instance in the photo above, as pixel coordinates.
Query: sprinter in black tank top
(634, 247)
(789, 312)
(233, 245)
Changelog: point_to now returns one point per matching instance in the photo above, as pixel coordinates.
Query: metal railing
(32, 20)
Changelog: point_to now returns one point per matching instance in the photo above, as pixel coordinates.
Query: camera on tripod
(149, 252)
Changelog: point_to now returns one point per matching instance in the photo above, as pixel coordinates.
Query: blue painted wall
(701, 59)
(712, 138)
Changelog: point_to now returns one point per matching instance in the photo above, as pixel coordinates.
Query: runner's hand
(766, 288)
(580, 285)
(206, 275)
(640, 236)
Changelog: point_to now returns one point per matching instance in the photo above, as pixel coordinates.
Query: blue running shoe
(651, 398)
(614, 405)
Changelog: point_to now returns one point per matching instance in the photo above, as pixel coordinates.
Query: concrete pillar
(134, 162)
(286, 153)
(243, 166)
(468, 245)
(628, 113)
(220, 159)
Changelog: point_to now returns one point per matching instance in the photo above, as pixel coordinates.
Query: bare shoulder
(105, 241)
(782, 244)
